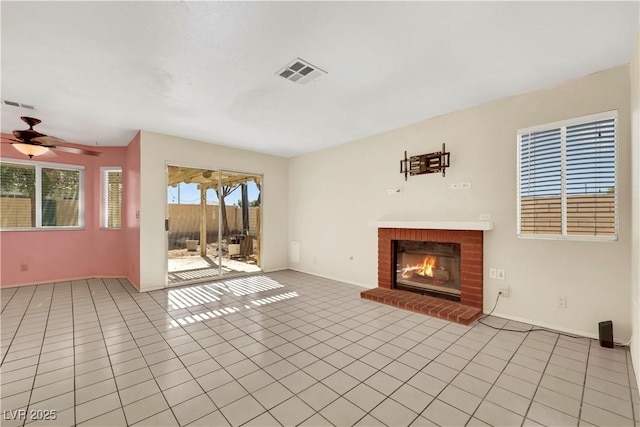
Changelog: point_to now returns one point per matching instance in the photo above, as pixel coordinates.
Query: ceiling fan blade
(35, 138)
(48, 140)
(10, 141)
(49, 153)
(77, 150)
(27, 135)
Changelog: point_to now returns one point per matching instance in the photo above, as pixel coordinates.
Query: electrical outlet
(504, 292)
(493, 273)
(562, 302)
(24, 267)
(501, 274)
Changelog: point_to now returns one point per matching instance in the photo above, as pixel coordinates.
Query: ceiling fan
(33, 143)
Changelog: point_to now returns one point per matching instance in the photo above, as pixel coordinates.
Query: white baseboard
(551, 327)
(154, 288)
(337, 279)
(66, 279)
(272, 270)
(133, 283)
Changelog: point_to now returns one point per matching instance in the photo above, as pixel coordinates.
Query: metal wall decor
(425, 163)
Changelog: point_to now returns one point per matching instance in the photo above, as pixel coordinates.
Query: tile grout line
(444, 324)
(584, 383)
(366, 413)
(149, 366)
(6, 304)
(73, 335)
(41, 347)
(282, 358)
(95, 307)
(493, 384)
(412, 376)
(19, 323)
(398, 319)
(342, 395)
(484, 366)
(526, 414)
(604, 392)
(53, 370)
(131, 319)
(108, 291)
(289, 342)
(630, 373)
(165, 290)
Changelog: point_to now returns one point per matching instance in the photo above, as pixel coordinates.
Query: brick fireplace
(470, 243)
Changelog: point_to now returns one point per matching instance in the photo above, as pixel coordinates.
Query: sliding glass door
(213, 224)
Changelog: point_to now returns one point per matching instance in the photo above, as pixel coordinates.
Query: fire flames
(424, 269)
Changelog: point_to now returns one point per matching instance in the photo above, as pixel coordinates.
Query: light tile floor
(288, 349)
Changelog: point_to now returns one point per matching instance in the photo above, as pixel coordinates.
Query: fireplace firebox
(467, 271)
(429, 268)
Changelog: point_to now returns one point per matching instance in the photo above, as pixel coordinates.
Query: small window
(111, 197)
(567, 179)
(36, 195)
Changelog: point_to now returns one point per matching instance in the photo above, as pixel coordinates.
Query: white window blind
(541, 183)
(567, 179)
(111, 198)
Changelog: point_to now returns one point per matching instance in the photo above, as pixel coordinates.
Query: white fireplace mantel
(435, 225)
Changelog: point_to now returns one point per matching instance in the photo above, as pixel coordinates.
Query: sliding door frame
(220, 276)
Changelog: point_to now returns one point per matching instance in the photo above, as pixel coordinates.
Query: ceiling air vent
(17, 104)
(301, 72)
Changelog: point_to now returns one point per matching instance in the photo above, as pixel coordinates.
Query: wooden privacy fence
(586, 215)
(15, 212)
(186, 219)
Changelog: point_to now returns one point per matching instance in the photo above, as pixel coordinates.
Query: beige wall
(333, 194)
(635, 211)
(157, 150)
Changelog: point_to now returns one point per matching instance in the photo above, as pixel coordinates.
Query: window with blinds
(37, 195)
(60, 199)
(567, 179)
(111, 197)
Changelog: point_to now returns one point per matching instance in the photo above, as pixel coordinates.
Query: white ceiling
(99, 71)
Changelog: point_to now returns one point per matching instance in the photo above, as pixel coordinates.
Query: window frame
(104, 206)
(38, 194)
(562, 126)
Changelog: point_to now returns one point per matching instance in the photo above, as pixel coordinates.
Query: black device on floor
(606, 334)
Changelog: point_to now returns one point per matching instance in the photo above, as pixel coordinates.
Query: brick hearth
(436, 307)
(471, 247)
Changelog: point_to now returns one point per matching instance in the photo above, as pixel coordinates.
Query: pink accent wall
(59, 255)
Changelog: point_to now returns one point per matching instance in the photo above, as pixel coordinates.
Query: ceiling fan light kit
(32, 143)
(30, 149)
